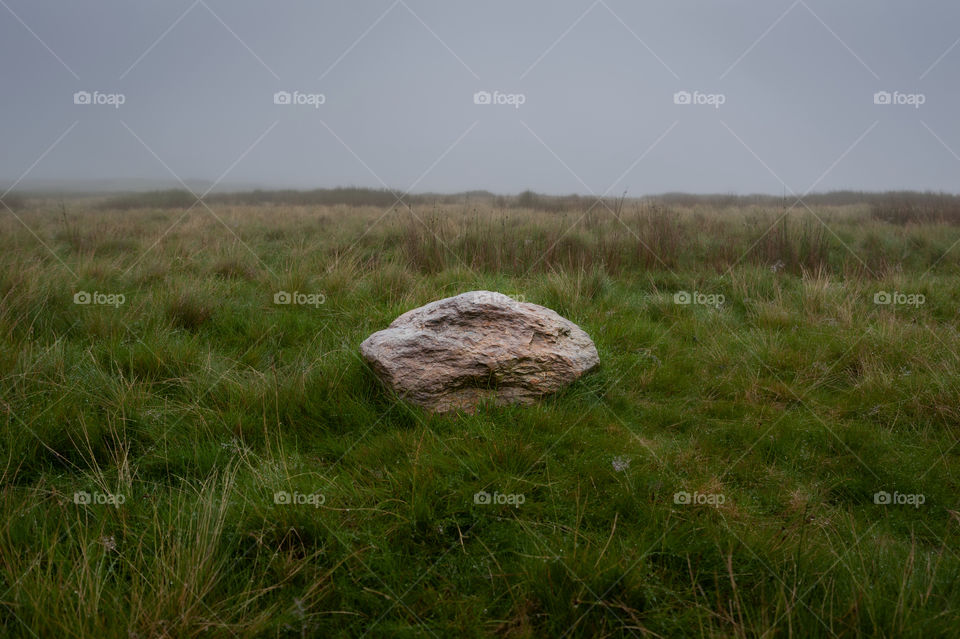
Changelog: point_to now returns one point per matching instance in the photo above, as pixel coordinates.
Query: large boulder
(456, 352)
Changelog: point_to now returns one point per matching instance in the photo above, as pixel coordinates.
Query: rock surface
(456, 352)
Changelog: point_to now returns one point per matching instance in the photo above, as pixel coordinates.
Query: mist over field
(597, 82)
(409, 318)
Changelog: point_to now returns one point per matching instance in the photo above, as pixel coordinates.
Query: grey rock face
(456, 352)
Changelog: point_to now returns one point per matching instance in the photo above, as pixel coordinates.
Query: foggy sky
(398, 79)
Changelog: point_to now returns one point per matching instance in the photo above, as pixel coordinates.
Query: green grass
(198, 398)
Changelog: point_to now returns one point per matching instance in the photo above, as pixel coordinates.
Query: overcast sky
(781, 94)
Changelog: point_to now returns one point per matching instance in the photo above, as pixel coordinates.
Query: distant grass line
(895, 206)
(623, 237)
(15, 201)
(179, 198)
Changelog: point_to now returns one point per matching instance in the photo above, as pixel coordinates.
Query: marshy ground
(769, 447)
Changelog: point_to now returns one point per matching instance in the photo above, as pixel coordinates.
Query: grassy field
(240, 472)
